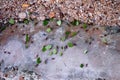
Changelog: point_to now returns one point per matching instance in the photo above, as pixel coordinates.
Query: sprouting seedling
(104, 40)
(63, 38)
(84, 25)
(59, 22)
(45, 22)
(48, 47)
(73, 34)
(12, 21)
(26, 21)
(75, 22)
(27, 39)
(85, 51)
(61, 53)
(81, 65)
(51, 53)
(38, 61)
(70, 44)
(2, 28)
(67, 33)
(43, 49)
(49, 30)
(54, 51)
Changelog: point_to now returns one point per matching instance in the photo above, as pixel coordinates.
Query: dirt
(100, 12)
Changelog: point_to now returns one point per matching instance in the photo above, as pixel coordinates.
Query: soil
(100, 12)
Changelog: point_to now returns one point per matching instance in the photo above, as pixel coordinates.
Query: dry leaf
(25, 5)
(51, 14)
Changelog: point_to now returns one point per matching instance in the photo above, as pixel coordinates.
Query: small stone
(22, 15)
(3, 79)
(51, 14)
(41, 18)
(21, 78)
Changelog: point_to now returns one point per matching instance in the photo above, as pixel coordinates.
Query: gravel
(100, 12)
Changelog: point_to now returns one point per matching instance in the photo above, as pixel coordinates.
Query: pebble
(22, 15)
(3, 79)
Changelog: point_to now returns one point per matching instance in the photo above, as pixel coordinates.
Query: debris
(22, 15)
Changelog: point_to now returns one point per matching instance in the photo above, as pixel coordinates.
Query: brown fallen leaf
(51, 14)
(25, 5)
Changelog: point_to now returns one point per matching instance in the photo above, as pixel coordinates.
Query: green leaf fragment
(84, 25)
(12, 21)
(45, 22)
(59, 22)
(49, 30)
(81, 65)
(70, 44)
(38, 61)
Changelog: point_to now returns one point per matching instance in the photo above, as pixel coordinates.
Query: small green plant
(2, 28)
(84, 25)
(104, 40)
(12, 21)
(49, 30)
(48, 47)
(67, 33)
(51, 53)
(38, 61)
(81, 65)
(45, 22)
(70, 44)
(44, 49)
(73, 34)
(27, 39)
(63, 38)
(26, 21)
(54, 51)
(75, 22)
(59, 22)
(61, 53)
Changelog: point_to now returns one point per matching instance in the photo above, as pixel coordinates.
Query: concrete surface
(102, 62)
